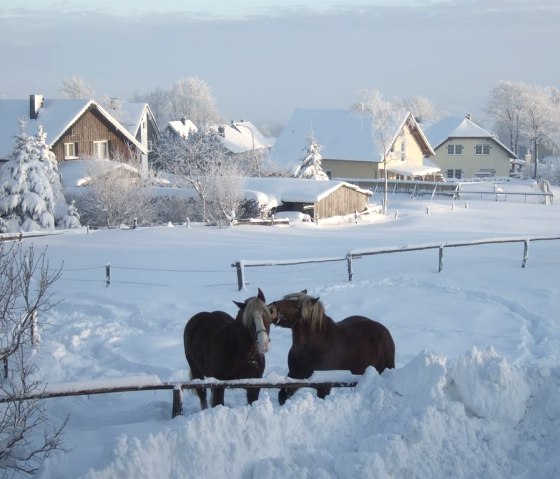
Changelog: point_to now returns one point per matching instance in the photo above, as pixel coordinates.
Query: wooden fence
(153, 384)
(354, 254)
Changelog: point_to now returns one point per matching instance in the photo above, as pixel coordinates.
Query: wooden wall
(92, 126)
(341, 202)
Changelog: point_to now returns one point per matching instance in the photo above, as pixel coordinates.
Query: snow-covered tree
(421, 107)
(26, 195)
(541, 118)
(200, 162)
(385, 119)
(311, 165)
(65, 216)
(76, 87)
(189, 97)
(505, 105)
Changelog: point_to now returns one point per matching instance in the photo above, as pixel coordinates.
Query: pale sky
(263, 59)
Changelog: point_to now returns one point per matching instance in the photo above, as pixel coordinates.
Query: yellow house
(348, 149)
(465, 150)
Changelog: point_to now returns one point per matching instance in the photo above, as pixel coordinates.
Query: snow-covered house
(466, 150)
(243, 137)
(140, 122)
(319, 199)
(180, 128)
(75, 128)
(349, 151)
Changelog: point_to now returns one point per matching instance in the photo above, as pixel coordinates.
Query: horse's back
(377, 345)
(202, 326)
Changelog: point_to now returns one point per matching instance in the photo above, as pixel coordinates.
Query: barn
(319, 199)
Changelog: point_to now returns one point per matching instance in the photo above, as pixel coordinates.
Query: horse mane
(312, 311)
(254, 307)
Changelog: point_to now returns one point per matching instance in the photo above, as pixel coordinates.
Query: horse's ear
(239, 305)
(304, 291)
(260, 295)
(315, 300)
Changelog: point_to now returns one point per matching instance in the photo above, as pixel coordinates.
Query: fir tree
(66, 216)
(26, 196)
(311, 165)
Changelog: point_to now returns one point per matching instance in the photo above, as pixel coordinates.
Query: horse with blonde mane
(321, 344)
(219, 346)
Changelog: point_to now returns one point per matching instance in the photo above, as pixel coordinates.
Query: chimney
(35, 104)
(184, 120)
(468, 116)
(222, 131)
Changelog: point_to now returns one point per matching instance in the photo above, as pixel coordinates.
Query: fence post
(177, 401)
(525, 253)
(107, 275)
(349, 264)
(5, 361)
(440, 265)
(240, 275)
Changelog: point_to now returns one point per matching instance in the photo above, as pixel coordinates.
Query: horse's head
(256, 317)
(297, 308)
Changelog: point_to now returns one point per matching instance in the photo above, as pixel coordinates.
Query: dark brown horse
(219, 346)
(321, 344)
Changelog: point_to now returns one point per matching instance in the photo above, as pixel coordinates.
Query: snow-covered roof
(343, 135)
(80, 172)
(242, 136)
(459, 127)
(404, 168)
(55, 115)
(275, 191)
(182, 127)
(130, 115)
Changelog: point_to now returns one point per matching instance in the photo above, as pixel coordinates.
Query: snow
(474, 393)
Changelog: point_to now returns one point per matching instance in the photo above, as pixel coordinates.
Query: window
(101, 150)
(454, 149)
(454, 173)
(70, 151)
(482, 149)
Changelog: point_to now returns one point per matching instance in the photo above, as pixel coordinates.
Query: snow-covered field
(475, 392)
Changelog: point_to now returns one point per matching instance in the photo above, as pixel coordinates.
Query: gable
(56, 117)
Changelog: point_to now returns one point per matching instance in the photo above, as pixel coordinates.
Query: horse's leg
(201, 393)
(252, 395)
(323, 391)
(284, 394)
(217, 396)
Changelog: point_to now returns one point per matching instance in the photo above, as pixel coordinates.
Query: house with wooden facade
(75, 128)
(319, 199)
(348, 149)
(465, 150)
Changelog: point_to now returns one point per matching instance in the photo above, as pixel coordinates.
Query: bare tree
(541, 118)
(26, 435)
(76, 87)
(421, 108)
(200, 162)
(505, 105)
(385, 119)
(190, 97)
(115, 195)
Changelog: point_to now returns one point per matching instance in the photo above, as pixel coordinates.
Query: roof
(460, 127)
(344, 135)
(182, 127)
(242, 136)
(275, 191)
(404, 168)
(130, 115)
(55, 115)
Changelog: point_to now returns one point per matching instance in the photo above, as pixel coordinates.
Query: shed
(320, 199)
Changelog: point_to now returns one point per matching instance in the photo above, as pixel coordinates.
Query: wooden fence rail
(67, 389)
(354, 254)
